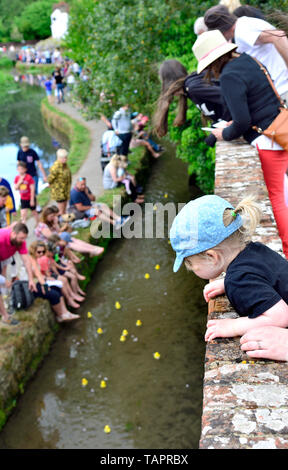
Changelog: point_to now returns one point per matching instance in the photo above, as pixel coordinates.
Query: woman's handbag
(278, 129)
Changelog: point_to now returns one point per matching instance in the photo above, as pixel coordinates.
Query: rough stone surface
(245, 402)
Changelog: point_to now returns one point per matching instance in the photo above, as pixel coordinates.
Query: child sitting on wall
(212, 237)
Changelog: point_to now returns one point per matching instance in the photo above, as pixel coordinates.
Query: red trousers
(274, 165)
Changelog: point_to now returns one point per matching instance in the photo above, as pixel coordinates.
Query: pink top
(44, 264)
(6, 248)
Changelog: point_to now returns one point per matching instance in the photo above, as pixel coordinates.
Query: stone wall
(245, 402)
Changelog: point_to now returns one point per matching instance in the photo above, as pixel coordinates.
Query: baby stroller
(110, 143)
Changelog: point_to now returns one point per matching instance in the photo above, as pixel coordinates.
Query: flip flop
(10, 321)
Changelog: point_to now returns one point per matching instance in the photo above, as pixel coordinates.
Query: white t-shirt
(246, 34)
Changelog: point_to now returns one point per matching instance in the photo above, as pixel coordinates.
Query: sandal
(11, 321)
(68, 316)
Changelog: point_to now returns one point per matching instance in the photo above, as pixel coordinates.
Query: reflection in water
(22, 116)
(147, 403)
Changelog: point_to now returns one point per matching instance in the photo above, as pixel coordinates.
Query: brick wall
(245, 402)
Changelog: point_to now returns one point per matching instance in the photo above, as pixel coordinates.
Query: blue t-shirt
(78, 197)
(29, 157)
(256, 280)
(48, 85)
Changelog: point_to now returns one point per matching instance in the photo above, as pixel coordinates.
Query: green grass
(79, 137)
(34, 69)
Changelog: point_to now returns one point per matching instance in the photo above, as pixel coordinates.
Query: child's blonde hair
(250, 212)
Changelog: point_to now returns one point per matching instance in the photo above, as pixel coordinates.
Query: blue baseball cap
(199, 226)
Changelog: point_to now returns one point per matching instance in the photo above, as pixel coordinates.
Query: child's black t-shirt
(256, 280)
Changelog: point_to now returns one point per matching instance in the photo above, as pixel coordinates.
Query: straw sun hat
(209, 47)
(24, 141)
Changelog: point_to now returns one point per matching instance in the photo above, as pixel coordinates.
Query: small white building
(59, 20)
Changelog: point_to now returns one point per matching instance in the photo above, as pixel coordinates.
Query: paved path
(91, 168)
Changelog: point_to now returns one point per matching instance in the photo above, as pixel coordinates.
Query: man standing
(122, 126)
(257, 38)
(12, 240)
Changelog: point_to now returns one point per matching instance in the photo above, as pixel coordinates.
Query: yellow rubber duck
(124, 333)
(147, 276)
(84, 382)
(117, 305)
(138, 323)
(155, 207)
(165, 195)
(103, 384)
(107, 429)
(99, 331)
(156, 355)
(122, 338)
(157, 267)
(89, 315)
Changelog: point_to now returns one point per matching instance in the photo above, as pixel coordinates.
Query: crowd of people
(51, 259)
(125, 131)
(242, 81)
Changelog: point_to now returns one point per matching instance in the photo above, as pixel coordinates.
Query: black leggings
(53, 294)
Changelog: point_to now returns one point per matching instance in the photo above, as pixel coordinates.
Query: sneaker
(124, 220)
(119, 223)
(38, 209)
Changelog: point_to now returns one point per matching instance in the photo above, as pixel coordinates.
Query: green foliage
(5, 63)
(119, 45)
(34, 21)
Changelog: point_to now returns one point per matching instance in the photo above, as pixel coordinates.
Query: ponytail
(250, 212)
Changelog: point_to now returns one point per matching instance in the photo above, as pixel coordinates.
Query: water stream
(147, 403)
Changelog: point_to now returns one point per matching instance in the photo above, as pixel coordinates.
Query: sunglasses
(40, 252)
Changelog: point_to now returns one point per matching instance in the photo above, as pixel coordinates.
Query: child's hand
(8, 284)
(213, 289)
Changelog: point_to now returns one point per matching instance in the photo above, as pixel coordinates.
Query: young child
(48, 88)
(212, 237)
(4, 193)
(24, 183)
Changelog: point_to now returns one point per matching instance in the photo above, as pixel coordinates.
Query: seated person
(81, 205)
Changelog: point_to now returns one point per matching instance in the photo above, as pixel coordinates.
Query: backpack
(21, 296)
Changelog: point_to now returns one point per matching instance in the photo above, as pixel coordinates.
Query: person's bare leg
(36, 216)
(74, 285)
(23, 213)
(83, 247)
(62, 207)
(62, 313)
(67, 292)
(3, 311)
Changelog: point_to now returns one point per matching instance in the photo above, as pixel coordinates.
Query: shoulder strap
(265, 71)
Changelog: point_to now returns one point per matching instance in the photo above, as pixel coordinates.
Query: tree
(118, 43)
(34, 21)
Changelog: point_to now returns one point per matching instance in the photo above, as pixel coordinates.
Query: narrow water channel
(147, 403)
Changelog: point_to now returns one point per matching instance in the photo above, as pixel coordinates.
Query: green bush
(120, 45)
(34, 21)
